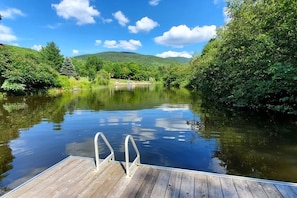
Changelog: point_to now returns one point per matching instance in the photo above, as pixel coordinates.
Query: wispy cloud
(154, 2)
(55, 26)
(6, 34)
(179, 36)
(121, 18)
(80, 10)
(11, 13)
(74, 51)
(227, 18)
(123, 44)
(98, 42)
(143, 25)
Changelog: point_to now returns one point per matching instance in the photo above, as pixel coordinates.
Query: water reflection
(171, 128)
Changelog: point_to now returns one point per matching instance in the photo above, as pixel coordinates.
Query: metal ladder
(100, 163)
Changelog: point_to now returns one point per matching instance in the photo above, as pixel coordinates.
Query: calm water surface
(171, 128)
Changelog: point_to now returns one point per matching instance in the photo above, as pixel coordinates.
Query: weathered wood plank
(161, 184)
(187, 185)
(271, 190)
(97, 179)
(294, 189)
(147, 186)
(257, 189)
(119, 187)
(201, 189)
(107, 185)
(214, 186)
(66, 184)
(135, 182)
(174, 184)
(35, 186)
(286, 191)
(228, 188)
(242, 188)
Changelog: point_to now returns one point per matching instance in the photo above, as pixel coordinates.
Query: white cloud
(174, 54)
(52, 27)
(121, 18)
(80, 10)
(37, 47)
(154, 2)
(122, 44)
(178, 36)
(11, 13)
(75, 51)
(227, 18)
(98, 42)
(106, 20)
(143, 25)
(6, 34)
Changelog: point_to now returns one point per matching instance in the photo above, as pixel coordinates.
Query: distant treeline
(24, 70)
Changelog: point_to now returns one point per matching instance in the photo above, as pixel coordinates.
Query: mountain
(135, 57)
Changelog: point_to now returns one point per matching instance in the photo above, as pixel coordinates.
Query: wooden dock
(76, 177)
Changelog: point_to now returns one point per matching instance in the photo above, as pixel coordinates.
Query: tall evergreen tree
(67, 68)
(51, 55)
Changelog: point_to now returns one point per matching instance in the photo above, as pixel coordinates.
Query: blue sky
(165, 28)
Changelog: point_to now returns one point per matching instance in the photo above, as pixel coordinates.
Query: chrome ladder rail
(130, 169)
(110, 157)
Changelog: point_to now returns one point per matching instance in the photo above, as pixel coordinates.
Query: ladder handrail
(129, 169)
(110, 157)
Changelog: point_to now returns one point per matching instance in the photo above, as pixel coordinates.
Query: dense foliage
(253, 61)
(21, 72)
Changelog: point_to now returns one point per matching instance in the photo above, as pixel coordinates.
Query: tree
(67, 68)
(50, 54)
(255, 65)
(93, 65)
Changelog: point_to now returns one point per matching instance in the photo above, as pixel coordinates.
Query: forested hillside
(252, 62)
(121, 57)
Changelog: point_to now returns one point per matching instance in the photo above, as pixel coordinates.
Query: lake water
(174, 128)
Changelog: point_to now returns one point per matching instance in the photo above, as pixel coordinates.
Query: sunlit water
(171, 128)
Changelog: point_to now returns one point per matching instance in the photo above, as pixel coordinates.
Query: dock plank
(243, 189)
(63, 183)
(76, 177)
(271, 190)
(257, 189)
(135, 182)
(201, 189)
(34, 186)
(161, 184)
(294, 189)
(228, 188)
(187, 185)
(214, 187)
(286, 191)
(107, 185)
(174, 184)
(97, 180)
(147, 186)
